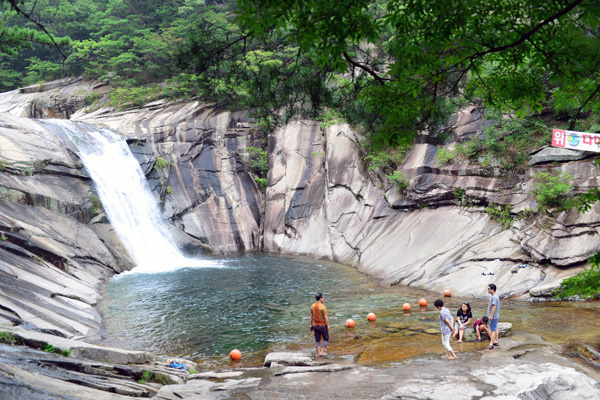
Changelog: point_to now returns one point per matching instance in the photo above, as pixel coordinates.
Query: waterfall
(125, 195)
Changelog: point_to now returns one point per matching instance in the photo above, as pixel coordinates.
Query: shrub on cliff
(585, 284)
(553, 191)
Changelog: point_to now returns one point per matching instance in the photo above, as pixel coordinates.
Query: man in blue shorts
(493, 315)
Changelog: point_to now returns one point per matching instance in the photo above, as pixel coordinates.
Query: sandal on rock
(490, 347)
(496, 344)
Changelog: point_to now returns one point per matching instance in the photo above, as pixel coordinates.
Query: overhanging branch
(14, 6)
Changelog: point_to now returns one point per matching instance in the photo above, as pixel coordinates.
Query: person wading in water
(319, 324)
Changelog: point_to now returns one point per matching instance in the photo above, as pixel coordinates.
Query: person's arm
(468, 321)
(326, 320)
(492, 311)
(449, 322)
(311, 317)
(487, 329)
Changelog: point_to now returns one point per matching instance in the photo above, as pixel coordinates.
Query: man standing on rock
(447, 328)
(319, 323)
(493, 315)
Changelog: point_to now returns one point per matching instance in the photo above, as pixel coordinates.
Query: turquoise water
(260, 302)
(253, 302)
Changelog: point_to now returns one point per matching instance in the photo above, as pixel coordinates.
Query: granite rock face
(53, 263)
(205, 190)
(526, 381)
(323, 202)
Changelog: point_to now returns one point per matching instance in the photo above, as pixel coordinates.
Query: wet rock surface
(523, 367)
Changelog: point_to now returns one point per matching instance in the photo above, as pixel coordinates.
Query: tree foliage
(126, 42)
(390, 66)
(585, 284)
(517, 55)
(15, 37)
(553, 190)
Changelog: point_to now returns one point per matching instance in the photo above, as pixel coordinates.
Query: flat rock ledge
(43, 366)
(289, 358)
(318, 368)
(525, 367)
(525, 381)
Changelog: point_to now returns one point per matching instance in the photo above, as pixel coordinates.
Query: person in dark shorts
(319, 324)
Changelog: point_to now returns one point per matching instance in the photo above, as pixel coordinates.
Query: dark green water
(260, 302)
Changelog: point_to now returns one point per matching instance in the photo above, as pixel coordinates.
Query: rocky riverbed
(523, 367)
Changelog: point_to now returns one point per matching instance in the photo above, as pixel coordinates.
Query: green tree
(13, 38)
(126, 42)
(405, 57)
(264, 75)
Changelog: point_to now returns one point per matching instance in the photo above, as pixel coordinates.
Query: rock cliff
(321, 201)
(57, 249)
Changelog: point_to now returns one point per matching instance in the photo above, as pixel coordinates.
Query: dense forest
(395, 69)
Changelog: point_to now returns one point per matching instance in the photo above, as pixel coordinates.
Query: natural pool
(260, 302)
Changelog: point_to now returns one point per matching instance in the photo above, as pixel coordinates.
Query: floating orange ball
(447, 293)
(371, 316)
(235, 355)
(423, 302)
(350, 323)
(406, 307)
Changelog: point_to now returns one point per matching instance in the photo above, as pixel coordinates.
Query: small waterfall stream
(125, 195)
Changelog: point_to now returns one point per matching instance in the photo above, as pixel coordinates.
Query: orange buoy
(423, 302)
(371, 316)
(235, 355)
(350, 323)
(406, 306)
(447, 293)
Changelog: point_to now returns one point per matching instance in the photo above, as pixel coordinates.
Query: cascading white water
(125, 195)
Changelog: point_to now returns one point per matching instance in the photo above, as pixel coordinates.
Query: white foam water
(126, 197)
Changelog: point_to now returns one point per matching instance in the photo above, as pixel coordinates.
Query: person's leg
(446, 343)
(455, 334)
(494, 329)
(489, 333)
(461, 333)
(493, 332)
(317, 340)
(325, 340)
